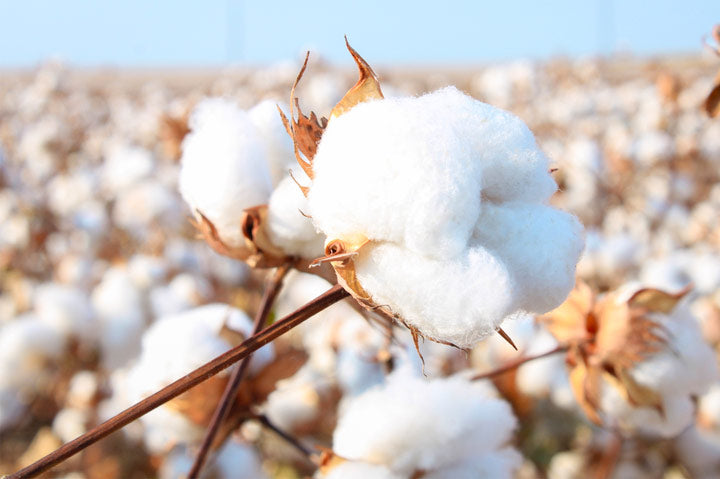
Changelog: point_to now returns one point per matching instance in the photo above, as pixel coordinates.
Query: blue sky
(220, 32)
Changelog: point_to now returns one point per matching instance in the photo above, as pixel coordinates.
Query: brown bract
(257, 250)
(712, 102)
(607, 338)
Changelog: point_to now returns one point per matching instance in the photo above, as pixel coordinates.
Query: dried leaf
(198, 404)
(367, 87)
(568, 322)
(578, 377)
(257, 251)
(712, 102)
(639, 395)
(656, 301)
(305, 131)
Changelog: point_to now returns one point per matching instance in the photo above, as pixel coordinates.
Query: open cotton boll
(25, 344)
(124, 166)
(224, 169)
(66, 309)
(410, 424)
(289, 229)
(118, 304)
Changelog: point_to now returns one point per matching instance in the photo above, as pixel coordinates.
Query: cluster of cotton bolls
(107, 294)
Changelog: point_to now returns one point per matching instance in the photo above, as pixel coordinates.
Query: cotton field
(517, 266)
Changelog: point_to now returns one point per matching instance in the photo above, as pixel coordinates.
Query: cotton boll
(540, 247)
(25, 344)
(124, 166)
(65, 309)
(288, 228)
(278, 144)
(653, 147)
(224, 167)
(461, 301)
(66, 192)
(410, 424)
(118, 305)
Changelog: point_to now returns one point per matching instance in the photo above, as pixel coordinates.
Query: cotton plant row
(291, 219)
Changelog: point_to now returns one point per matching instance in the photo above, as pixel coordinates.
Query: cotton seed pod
(435, 210)
(633, 354)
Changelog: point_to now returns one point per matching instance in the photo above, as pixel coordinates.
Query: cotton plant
(414, 193)
(411, 427)
(636, 358)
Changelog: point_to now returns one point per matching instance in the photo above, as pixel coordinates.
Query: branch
(331, 296)
(561, 348)
(292, 440)
(233, 385)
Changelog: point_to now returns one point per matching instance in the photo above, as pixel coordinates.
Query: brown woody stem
(331, 296)
(561, 348)
(223, 407)
(290, 439)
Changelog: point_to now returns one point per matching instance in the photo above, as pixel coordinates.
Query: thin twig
(290, 439)
(223, 407)
(519, 362)
(331, 296)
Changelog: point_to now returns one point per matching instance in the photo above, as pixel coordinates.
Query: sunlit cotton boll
(444, 427)
(449, 191)
(224, 169)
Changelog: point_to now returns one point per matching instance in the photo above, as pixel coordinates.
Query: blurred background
(96, 246)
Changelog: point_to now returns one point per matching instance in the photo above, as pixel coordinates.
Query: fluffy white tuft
(410, 424)
(224, 166)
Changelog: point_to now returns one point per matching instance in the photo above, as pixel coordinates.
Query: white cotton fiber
(66, 309)
(460, 300)
(412, 170)
(411, 424)
(289, 228)
(118, 306)
(540, 247)
(278, 144)
(451, 193)
(360, 470)
(224, 167)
